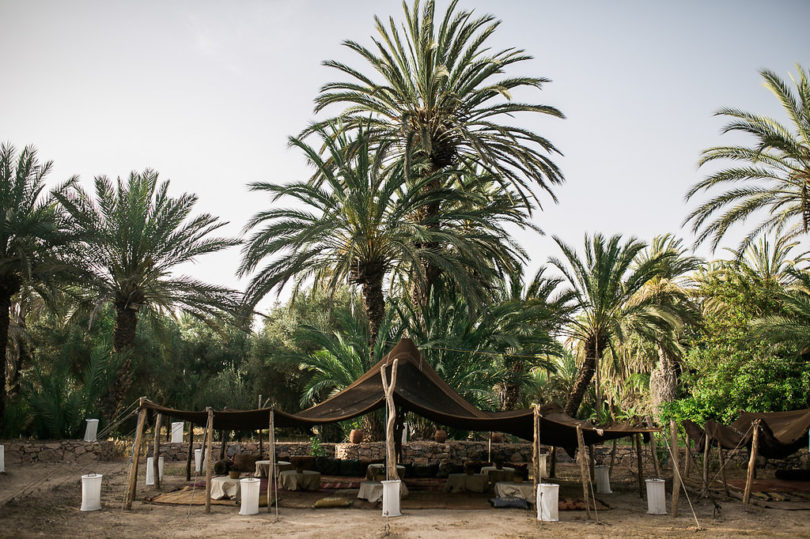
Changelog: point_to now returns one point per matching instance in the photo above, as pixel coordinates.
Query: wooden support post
(722, 467)
(190, 450)
(592, 467)
(224, 436)
(391, 456)
(536, 472)
(136, 454)
(752, 462)
(612, 457)
(688, 458)
(676, 471)
(707, 444)
(654, 454)
(156, 450)
(209, 463)
(552, 470)
(271, 471)
(637, 438)
(582, 472)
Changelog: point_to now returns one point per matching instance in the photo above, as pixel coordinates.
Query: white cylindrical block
(177, 432)
(90, 430)
(603, 479)
(548, 495)
(91, 492)
(656, 497)
(197, 460)
(250, 496)
(390, 505)
(2, 459)
(150, 471)
(160, 468)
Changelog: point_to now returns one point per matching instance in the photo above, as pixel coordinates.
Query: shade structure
(420, 390)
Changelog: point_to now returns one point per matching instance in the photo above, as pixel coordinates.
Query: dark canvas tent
(421, 390)
(781, 433)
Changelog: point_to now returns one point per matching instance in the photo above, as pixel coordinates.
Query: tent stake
(582, 472)
(676, 472)
(637, 438)
(156, 450)
(752, 462)
(209, 463)
(136, 454)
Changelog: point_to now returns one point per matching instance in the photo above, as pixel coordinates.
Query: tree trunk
(663, 381)
(374, 304)
(586, 371)
(5, 303)
(510, 390)
(126, 321)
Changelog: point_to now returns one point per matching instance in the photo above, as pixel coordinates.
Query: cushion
(333, 501)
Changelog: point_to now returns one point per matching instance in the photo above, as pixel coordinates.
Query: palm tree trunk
(663, 381)
(511, 389)
(374, 304)
(126, 322)
(5, 304)
(593, 354)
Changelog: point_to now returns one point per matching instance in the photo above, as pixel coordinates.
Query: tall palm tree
(356, 226)
(768, 178)
(132, 235)
(31, 231)
(437, 96)
(604, 285)
(670, 287)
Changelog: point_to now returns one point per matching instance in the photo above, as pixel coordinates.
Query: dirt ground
(44, 500)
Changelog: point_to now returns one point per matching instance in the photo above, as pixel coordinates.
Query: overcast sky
(208, 92)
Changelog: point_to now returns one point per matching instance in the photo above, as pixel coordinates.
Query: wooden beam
(136, 454)
(637, 438)
(390, 448)
(190, 450)
(209, 463)
(676, 471)
(156, 450)
(582, 472)
(752, 462)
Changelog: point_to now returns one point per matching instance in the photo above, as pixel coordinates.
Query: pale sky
(208, 92)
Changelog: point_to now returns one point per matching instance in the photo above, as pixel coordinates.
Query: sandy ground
(44, 500)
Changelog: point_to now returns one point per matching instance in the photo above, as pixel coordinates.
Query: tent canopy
(419, 389)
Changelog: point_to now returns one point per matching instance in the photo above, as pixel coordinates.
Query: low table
(306, 480)
(262, 466)
(510, 489)
(377, 470)
(223, 487)
(462, 482)
(373, 491)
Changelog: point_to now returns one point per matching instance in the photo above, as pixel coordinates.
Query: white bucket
(250, 496)
(91, 492)
(177, 432)
(90, 430)
(150, 471)
(390, 505)
(2, 459)
(160, 468)
(548, 495)
(197, 460)
(603, 479)
(656, 497)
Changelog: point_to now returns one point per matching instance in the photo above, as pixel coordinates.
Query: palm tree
(670, 288)
(131, 237)
(437, 97)
(356, 226)
(31, 231)
(771, 176)
(605, 285)
(793, 324)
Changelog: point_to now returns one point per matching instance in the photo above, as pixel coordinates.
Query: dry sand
(44, 500)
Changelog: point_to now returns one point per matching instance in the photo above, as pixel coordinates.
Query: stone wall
(19, 452)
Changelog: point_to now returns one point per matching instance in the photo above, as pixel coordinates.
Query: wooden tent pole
(688, 458)
(706, 448)
(752, 462)
(209, 463)
(654, 452)
(391, 456)
(637, 438)
(612, 456)
(271, 470)
(676, 471)
(722, 467)
(536, 472)
(190, 450)
(224, 435)
(156, 450)
(136, 454)
(582, 472)
(592, 468)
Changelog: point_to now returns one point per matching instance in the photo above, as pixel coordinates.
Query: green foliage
(315, 448)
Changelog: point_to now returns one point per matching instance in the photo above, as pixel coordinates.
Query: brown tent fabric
(421, 390)
(781, 434)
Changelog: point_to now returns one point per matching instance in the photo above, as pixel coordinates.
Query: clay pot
(440, 436)
(356, 436)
